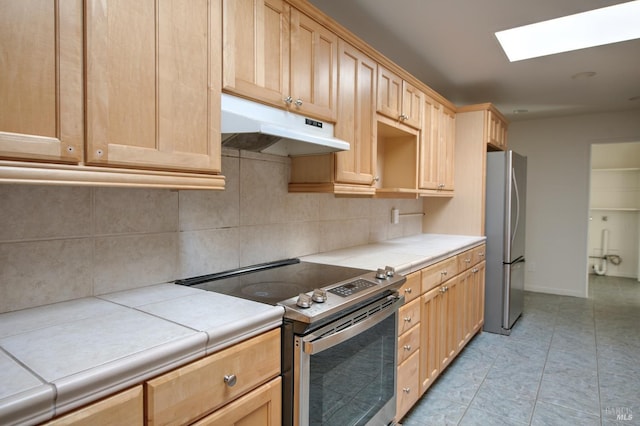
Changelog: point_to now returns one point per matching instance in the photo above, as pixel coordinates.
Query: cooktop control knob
(319, 295)
(381, 274)
(304, 300)
(390, 271)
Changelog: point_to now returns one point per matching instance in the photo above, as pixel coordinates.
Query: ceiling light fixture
(596, 27)
(583, 75)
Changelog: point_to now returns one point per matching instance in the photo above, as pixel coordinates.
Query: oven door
(345, 372)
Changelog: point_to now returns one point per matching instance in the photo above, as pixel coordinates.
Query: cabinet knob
(406, 390)
(407, 347)
(376, 178)
(407, 319)
(444, 273)
(288, 100)
(298, 102)
(230, 380)
(404, 117)
(474, 270)
(407, 290)
(442, 289)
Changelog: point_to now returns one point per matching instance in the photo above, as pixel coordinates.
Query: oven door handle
(313, 345)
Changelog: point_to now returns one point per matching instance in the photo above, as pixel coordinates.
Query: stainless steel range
(339, 336)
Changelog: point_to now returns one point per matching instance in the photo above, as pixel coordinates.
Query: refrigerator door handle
(515, 187)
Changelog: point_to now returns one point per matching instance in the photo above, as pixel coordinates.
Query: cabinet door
(389, 99)
(478, 296)
(465, 317)
(262, 406)
(313, 68)
(256, 49)
(431, 331)
(449, 320)
(408, 390)
(446, 149)
(496, 131)
(430, 144)
(356, 109)
(41, 112)
(153, 94)
(412, 100)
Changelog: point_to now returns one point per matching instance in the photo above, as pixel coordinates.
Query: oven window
(351, 382)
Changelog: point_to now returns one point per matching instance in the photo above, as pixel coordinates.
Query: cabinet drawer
(438, 273)
(124, 408)
(478, 254)
(465, 260)
(189, 392)
(408, 316)
(262, 406)
(411, 288)
(408, 344)
(408, 390)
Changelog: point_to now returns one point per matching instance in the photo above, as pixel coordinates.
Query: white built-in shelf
(615, 209)
(629, 169)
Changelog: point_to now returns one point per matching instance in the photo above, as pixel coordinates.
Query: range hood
(252, 126)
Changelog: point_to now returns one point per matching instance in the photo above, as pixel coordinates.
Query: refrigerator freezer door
(513, 293)
(516, 193)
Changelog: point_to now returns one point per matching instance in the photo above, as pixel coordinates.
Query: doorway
(614, 211)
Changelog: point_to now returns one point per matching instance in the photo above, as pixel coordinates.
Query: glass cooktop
(273, 282)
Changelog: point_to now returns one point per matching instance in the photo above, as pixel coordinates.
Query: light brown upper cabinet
(353, 171)
(357, 124)
(437, 144)
(275, 54)
(153, 96)
(495, 125)
(144, 76)
(398, 99)
(496, 130)
(41, 87)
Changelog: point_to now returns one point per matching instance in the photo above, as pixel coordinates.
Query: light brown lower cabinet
(451, 312)
(408, 384)
(239, 385)
(261, 407)
(124, 408)
(188, 393)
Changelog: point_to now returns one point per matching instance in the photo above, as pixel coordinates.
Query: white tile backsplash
(62, 243)
(36, 273)
(128, 211)
(38, 212)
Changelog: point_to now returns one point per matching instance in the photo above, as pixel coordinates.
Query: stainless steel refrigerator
(506, 194)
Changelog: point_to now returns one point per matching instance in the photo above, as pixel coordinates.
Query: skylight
(596, 27)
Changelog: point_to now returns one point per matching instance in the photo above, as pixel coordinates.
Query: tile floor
(568, 361)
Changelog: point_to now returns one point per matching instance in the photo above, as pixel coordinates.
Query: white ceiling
(450, 45)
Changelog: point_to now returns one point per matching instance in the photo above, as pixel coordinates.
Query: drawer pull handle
(406, 390)
(407, 290)
(407, 347)
(444, 273)
(467, 260)
(230, 380)
(407, 319)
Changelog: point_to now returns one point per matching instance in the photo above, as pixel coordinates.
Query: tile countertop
(58, 357)
(406, 255)
(55, 358)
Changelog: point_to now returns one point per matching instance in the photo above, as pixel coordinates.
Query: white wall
(61, 243)
(558, 152)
